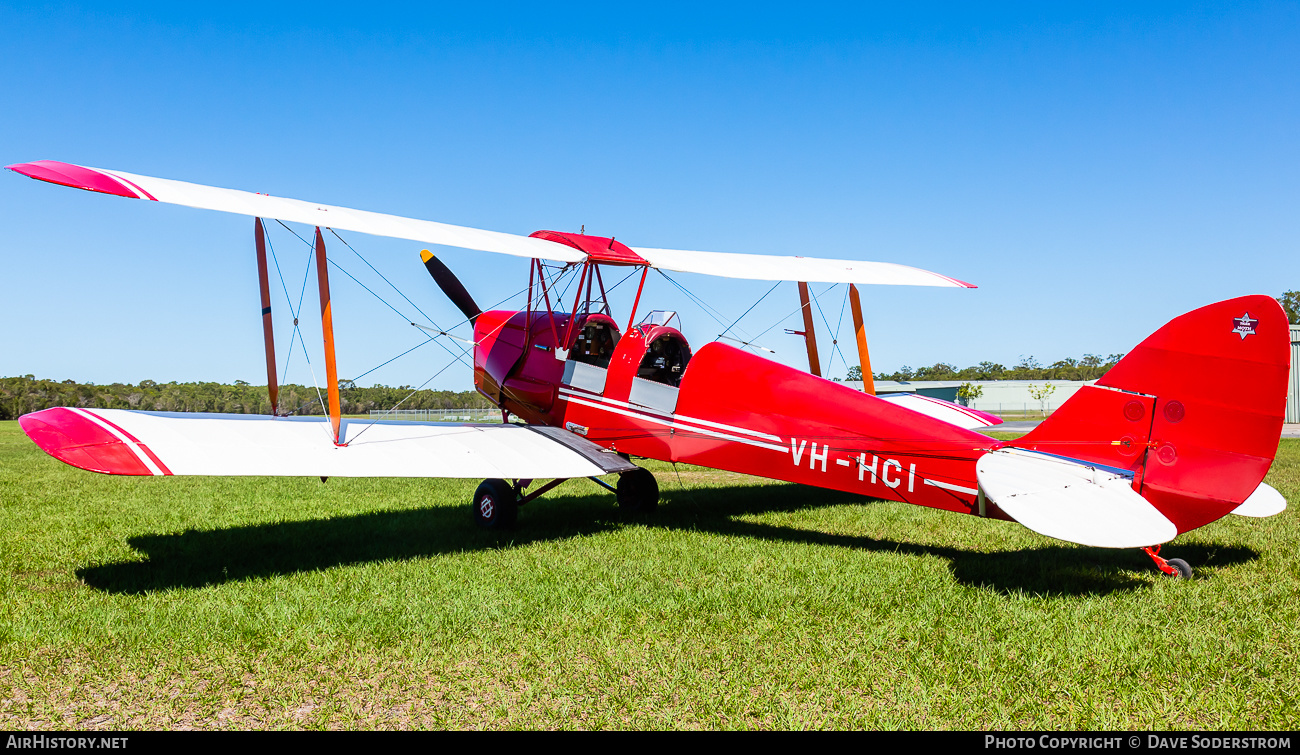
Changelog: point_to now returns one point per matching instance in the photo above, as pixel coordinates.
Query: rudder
(1195, 410)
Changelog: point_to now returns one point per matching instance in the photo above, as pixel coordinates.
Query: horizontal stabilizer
(1071, 500)
(115, 441)
(953, 414)
(1264, 502)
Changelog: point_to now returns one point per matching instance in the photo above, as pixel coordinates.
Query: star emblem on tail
(1244, 325)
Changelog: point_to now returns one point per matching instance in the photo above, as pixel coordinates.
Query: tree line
(21, 395)
(1089, 367)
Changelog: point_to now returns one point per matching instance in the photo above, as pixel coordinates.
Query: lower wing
(116, 441)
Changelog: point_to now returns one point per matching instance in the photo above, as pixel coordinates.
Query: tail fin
(1195, 411)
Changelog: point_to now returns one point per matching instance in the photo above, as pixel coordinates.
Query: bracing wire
(458, 356)
(296, 311)
(840, 323)
(288, 302)
(416, 390)
(463, 352)
(835, 339)
(693, 298)
(385, 279)
(745, 339)
(394, 359)
(796, 311)
(751, 309)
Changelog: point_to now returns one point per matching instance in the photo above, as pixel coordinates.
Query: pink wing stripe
(133, 185)
(961, 283)
(133, 439)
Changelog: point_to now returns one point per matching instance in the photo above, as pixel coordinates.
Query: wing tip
(80, 442)
(956, 282)
(74, 176)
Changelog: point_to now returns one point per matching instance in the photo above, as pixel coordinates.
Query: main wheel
(496, 506)
(1183, 568)
(637, 491)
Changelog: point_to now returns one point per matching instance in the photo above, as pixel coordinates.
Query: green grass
(742, 603)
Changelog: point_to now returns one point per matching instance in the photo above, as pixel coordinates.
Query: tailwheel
(1184, 569)
(637, 491)
(1174, 567)
(496, 505)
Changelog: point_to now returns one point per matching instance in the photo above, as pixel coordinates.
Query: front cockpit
(665, 358)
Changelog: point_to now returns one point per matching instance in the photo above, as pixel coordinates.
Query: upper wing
(808, 269)
(752, 266)
(116, 441)
(133, 186)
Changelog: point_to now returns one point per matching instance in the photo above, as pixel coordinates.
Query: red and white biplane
(1151, 451)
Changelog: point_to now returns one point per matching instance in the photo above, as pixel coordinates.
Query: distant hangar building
(1293, 387)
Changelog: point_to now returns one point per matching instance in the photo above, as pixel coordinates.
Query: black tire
(1183, 569)
(496, 505)
(637, 491)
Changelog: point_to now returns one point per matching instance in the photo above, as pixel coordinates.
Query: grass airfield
(742, 603)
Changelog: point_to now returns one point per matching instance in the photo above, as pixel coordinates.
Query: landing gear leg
(1174, 567)
(637, 491)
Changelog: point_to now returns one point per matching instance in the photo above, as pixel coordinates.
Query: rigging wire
(835, 339)
(840, 324)
(559, 299)
(458, 356)
(399, 356)
(610, 290)
(457, 359)
(287, 300)
(463, 352)
(385, 279)
(745, 339)
(692, 297)
(409, 395)
(297, 330)
(796, 311)
(751, 309)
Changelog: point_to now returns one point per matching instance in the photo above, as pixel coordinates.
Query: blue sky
(1096, 169)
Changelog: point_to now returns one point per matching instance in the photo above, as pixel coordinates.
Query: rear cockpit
(596, 341)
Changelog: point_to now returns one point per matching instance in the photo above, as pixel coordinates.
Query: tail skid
(1191, 417)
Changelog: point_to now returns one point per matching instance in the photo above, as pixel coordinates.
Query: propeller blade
(450, 285)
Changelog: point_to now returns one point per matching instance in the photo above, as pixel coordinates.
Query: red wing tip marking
(79, 177)
(86, 441)
(989, 420)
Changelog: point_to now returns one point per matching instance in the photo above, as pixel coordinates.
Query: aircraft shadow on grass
(201, 558)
